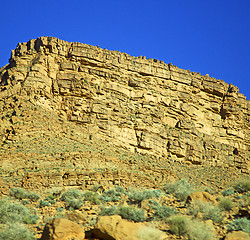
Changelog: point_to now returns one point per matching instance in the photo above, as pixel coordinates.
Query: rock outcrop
(143, 105)
(62, 229)
(116, 228)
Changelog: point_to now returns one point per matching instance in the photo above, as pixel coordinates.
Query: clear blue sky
(206, 36)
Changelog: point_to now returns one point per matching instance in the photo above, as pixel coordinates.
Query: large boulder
(237, 235)
(116, 228)
(201, 196)
(62, 229)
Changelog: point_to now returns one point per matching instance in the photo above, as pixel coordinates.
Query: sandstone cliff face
(139, 104)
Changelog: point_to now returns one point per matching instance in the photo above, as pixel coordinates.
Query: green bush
(238, 224)
(113, 195)
(127, 212)
(208, 210)
(228, 192)
(149, 233)
(16, 232)
(73, 198)
(132, 213)
(242, 186)
(226, 204)
(33, 196)
(180, 189)
(108, 211)
(72, 203)
(92, 197)
(137, 197)
(72, 193)
(13, 212)
(43, 203)
(178, 224)
(163, 212)
(20, 193)
(196, 230)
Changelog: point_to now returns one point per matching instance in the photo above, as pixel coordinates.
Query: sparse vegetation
(149, 233)
(127, 212)
(194, 229)
(43, 203)
(208, 210)
(113, 195)
(180, 189)
(16, 232)
(20, 193)
(11, 212)
(242, 224)
(242, 186)
(162, 212)
(92, 197)
(228, 192)
(178, 224)
(226, 204)
(137, 197)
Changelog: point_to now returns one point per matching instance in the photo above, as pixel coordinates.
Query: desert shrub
(180, 189)
(16, 232)
(163, 212)
(242, 186)
(72, 203)
(149, 233)
(43, 203)
(127, 212)
(178, 224)
(20, 193)
(33, 196)
(72, 193)
(113, 195)
(198, 230)
(136, 196)
(59, 209)
(132, 213)
(13, 212)
(51, 201)
(208, 210)
(242, 224)
(226, 204)
(108, 211)
(92, 197)
(73, 198)
(228, 192)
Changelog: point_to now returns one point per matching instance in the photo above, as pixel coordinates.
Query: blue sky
(204, 36)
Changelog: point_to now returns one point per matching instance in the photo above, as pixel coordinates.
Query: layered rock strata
(143, 105)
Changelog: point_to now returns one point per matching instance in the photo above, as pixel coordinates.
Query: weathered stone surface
(139, 104)
(237, 235)
(201, 196)
(115, 228)
(62, 229)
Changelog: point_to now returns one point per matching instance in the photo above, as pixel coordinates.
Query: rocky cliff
(142, 105)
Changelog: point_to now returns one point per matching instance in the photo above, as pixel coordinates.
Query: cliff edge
(142, 105)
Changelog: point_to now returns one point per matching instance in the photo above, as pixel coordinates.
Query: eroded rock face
(140, 104)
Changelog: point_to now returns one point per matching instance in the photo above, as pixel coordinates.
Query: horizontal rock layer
(139, 104)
